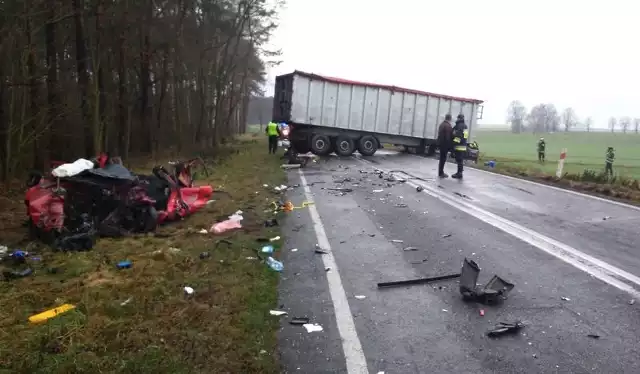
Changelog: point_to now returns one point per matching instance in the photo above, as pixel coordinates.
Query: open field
(584, 151)
(139, 320)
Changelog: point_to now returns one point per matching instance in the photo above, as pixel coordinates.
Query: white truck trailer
(328, 114)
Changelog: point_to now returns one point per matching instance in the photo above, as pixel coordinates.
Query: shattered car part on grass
(495, 291)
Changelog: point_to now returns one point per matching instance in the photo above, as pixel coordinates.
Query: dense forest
(130, 77)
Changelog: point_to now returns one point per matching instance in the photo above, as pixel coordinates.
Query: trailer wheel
(344, 146)
(367, 145)
(431, 150)
(320, 145)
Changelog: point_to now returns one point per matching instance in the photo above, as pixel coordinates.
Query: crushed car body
(78, 201)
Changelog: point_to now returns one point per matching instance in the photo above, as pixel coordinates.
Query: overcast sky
(582, 54)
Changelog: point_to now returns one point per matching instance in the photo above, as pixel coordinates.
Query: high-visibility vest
(460, 139)
(272, 129)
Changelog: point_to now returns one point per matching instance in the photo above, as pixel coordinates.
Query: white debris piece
(312, 327)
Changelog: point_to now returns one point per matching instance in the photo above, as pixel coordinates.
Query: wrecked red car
(103, 198)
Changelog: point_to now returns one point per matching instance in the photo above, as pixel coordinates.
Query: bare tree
(544, 118)
(588, 122)
(612, 123)
(569, 118)
(625, 122)
(636, 124)
(516, 115)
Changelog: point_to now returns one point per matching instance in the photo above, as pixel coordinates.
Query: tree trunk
(163, 92)
(145, 76)
(83, 77)
(100, 132)
(123, 106)
(55, 143)
(38, 159)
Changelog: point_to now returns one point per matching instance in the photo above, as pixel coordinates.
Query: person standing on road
(444, 143)
(460, 138)
(541, 149)
(608, 165)
(273, 132)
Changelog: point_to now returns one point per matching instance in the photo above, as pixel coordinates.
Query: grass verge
(139, 320)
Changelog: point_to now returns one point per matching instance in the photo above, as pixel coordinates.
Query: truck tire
(367, 145)
(344, 146)
(431, 150)
(320, 145)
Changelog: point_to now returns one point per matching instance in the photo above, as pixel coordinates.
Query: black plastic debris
(204, 255)
(341, 189)
(15, 274)
(82, 241)
(419, 188)
(299, 321)
(505, 328)
(593, 336)
(271, 222)
(320, 251)
(493, 292)
(411, 282)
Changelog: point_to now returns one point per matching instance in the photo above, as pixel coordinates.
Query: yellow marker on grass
(48, 314)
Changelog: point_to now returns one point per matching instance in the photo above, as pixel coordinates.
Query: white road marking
(353, 353)
(589, 264)
(581, 194)
(602, 199)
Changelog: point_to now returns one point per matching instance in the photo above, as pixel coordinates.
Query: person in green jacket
(273, 133)
(608, 165)
(542, 145)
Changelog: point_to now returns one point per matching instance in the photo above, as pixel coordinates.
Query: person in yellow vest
(460, 138)
(273, 133)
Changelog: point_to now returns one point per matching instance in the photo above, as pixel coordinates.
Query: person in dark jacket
(445, 132)
(460, 139)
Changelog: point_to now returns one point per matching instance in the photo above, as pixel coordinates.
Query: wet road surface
(573, 259)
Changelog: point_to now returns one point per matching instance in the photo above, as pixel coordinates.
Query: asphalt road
(573, 259)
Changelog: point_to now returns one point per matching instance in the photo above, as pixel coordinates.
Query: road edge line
(352, 348)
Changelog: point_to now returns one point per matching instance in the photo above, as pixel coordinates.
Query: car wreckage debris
(505, 328)
(411, 282)
(493, 292)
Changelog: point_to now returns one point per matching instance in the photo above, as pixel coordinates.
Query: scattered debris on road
(565, 298)
(632, 301)
(376, 191)
(299, 321)
(505, 328)
(397, 241)
(418, 281)
(420, 188)
(594, 336)
(493, 292)
(401, 205)
(312, 327)
(277, 312)
(407, 249)
(446, 236)
(360, 297)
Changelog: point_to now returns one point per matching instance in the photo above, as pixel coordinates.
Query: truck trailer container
(327, 114)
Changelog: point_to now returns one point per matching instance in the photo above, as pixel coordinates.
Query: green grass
(225, 327)
(584, 151)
